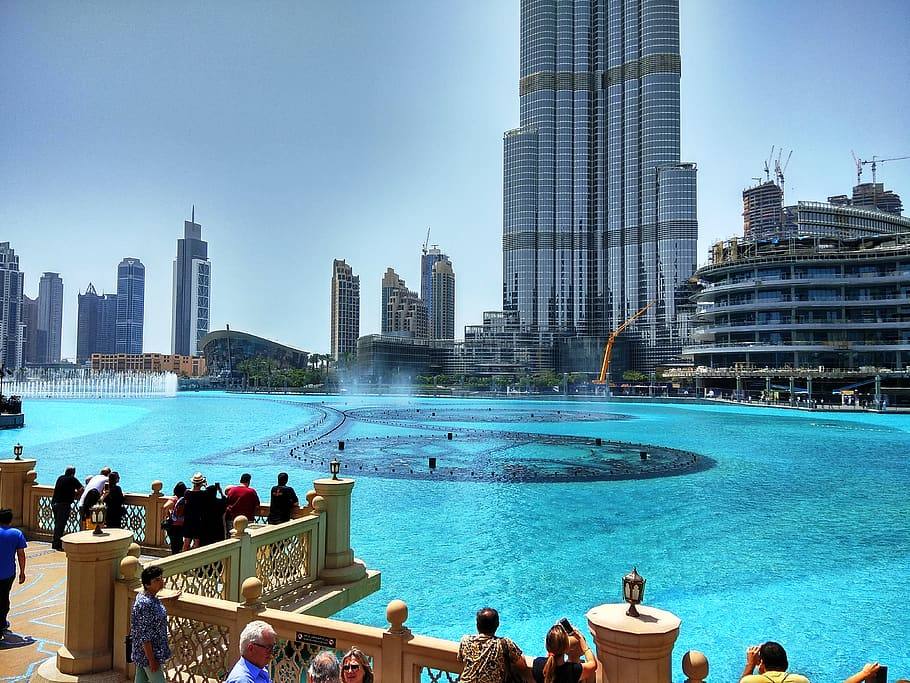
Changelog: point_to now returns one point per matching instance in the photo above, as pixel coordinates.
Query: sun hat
(198, 478)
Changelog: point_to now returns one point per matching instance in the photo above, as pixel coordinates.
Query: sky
(307, 131)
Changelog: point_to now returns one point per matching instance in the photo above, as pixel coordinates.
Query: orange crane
(608, 349)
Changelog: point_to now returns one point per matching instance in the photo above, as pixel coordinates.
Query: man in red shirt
(242, 499)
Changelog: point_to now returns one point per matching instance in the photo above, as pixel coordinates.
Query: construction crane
(779, 171)
(768, 164)
(608, 349)
(426, 242)
(875, 161)
(859, 167)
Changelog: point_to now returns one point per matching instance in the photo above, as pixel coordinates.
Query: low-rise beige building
(187, 366)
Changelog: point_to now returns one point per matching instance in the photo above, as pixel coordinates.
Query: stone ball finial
(31, 477)
(309, 497)
(251, 590)
(396, 614)
(240, 525)
(156, 487)
(695, 666)
(130, 567)
(318, 503)
(134, 550)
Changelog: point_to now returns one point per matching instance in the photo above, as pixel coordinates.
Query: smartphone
(567, 627)
(881, 676)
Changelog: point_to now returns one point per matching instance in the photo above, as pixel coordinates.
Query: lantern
(633, 590)
(98, 515)
(17, 451)
(334, 468)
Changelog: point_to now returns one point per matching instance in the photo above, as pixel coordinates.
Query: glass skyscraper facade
(130, 305)
(599, 215)
(192, 287)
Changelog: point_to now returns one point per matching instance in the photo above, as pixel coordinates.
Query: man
(242, 499)
(484, 655)
(148, 629)
(257, 641)
(283, 501)
(91, 494)
(12, 547)
(324, 669)
(771, 660)
(66, 490)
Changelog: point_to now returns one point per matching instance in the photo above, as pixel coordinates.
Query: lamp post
(633, 591)
(335, 468)
(98, 515)
(17, 451)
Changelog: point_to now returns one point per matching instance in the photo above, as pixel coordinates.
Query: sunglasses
(351, 667)
(273, 649)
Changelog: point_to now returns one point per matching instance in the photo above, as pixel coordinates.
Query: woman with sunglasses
(355, 667)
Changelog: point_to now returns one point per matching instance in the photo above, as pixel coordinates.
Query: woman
(194, 508)
(563, 661)
(212, 529)
(148, 629)
(113, 502)
(174, 508)
(355, 667)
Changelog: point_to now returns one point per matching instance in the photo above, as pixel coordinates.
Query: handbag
(512, 676)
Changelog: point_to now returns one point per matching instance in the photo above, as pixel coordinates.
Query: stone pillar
(739, 388)
(768, 388)
(92, 567)
(633, 648)
(340, 565)
(792, 391)
(878, 391)
(809, 390)
(12, 486)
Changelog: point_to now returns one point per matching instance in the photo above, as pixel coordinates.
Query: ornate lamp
(334, 468)
(633, 590)
(17, 451)
(98, 515)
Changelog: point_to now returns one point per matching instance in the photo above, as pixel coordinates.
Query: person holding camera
(772, 663)
(565, 648)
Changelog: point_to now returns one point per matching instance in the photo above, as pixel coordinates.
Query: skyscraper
(427, 260)
(12, 326)
(30, 319)
(96, 330)
(50, 317)
(345, 309)
(763, 211)
(130, 305)
(442, 319)
(599, 215)
(192, 273)
(403, 312)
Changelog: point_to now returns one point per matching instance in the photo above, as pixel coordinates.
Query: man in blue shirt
(257, 643)
(12, 547)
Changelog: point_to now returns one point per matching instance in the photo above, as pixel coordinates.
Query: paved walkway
(36, 614)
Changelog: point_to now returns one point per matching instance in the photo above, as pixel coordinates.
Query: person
(212, 529)
(772, 663)
(12, 548)
(242, 499)
(113, 502)
(257, 644)
(66, 490)
(484, 655)
(867, 673)
(194, 507)
(174, 507)
(148, 629)
(355, 667)
(91, 494)
(324, 669)
(555, 667)
(283, 501)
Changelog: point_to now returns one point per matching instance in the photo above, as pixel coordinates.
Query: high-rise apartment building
(763, 211)
(50, 317)
(442, 318)
(345, 310)
(30, 319)
(12, 326)
(428, 259)
(403, 312)
(96, 330)
(192, 286)
(130, 305)
(599, 215)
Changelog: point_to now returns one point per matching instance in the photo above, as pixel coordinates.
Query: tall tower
(345, 309)
(404, 313)
(12, 325)
(599, 215)
(88, 324)
(442, 318)
(50, 317)
(192, 273)
(30, 319)
(130, 305)
(428, 259)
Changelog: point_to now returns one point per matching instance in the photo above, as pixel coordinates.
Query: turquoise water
(800, 532)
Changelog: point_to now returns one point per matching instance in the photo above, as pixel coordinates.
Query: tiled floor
(36, 614)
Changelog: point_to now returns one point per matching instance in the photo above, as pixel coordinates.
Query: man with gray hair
(324, 669)
(257, 643)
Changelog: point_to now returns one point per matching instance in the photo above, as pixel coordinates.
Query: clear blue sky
(307, 131)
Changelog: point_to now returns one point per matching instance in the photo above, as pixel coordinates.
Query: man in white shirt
(92, 492)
